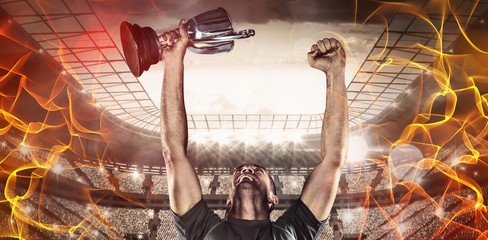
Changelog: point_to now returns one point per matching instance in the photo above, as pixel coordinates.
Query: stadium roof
(86, 44)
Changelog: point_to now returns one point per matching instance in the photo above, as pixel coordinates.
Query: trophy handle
(220, 44)
(215, 39)
(236, 35)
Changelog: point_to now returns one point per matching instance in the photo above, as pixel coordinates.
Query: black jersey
(201, 223)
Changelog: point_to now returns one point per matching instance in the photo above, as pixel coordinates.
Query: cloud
(252, 11)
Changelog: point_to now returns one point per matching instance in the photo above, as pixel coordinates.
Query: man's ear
(273, 199)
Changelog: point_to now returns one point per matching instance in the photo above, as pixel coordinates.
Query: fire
(38, 126)
(452, 114)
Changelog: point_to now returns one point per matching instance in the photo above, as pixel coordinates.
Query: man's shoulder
(283, 231)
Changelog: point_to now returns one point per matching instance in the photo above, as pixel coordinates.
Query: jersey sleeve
(197, 222)
(301, 221)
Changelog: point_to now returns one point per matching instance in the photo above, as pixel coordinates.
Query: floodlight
(357, 149)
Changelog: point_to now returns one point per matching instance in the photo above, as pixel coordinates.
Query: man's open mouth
(244, 178)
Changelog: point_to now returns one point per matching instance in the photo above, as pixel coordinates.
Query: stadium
(80, 138)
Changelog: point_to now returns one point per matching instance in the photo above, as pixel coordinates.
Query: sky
(264, 74)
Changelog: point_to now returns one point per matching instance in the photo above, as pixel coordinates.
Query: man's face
(252, 180)
(251, 176)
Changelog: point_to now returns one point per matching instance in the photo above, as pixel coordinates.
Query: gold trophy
(210, 33)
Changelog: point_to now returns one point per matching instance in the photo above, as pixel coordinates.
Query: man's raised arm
(321, 186)
(183, 186)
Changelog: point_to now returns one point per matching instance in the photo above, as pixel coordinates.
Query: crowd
(452, 216)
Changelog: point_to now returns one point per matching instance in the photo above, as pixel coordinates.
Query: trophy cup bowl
(210, 32)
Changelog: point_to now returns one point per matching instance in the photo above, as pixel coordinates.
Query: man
(252, 195)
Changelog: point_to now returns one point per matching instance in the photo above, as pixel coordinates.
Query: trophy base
(141, 47)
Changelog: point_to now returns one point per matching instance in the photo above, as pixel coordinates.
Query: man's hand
(327, 54)
(177, 41)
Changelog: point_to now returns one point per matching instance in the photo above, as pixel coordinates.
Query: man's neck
(249, 207)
